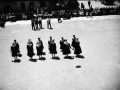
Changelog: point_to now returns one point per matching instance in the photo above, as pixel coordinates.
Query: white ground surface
(100, 69)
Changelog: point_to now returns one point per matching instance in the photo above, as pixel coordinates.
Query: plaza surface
(100, 69)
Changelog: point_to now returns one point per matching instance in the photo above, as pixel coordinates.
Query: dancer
(62, 44)
(73, 41)
(15, 49)
(66, 49)
(77, 49)
(53, 50)
(49, 43)
(39, 47)
(30, 52)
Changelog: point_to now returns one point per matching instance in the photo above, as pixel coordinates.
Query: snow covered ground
(100, 69)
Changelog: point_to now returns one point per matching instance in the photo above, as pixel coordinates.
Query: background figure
(90, 11)
(30, 52)
(89, 3)
(53, 50)
(62, 44)
(39, 47)
(49, 23)
(15, 49)
(33, 23)
(49, 43)
(59, 19)
(73, 41)
(66, 49)
(77, 49)
(40, 22)
(36, 23)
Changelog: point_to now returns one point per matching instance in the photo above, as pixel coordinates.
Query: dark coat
(78, 49)
(30, 52)
(53, 48)
(15, 49)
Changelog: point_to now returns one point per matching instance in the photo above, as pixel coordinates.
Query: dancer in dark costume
(53, 50)
(49, 43)
(15, 49)
(77, 49)
(73, 41)
(62, 44)
(30, 52)
(39, 47)
(66, 49)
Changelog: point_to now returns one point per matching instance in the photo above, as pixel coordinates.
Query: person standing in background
(89, 3)
(49, 23)
(33, 23)
(40, 22)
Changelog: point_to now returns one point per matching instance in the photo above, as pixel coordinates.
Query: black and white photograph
(59, 44)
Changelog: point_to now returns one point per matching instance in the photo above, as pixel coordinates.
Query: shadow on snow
(80, 56)
(69, 57)
(17, 61)
(56, 58)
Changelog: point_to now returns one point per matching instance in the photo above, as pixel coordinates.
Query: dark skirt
(78, 49)
(39, 50)
(14, 51)
(66, 50)
(53, 49)
(30, 52)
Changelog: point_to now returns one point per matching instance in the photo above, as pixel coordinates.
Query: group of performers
(64, 46)
(36, 23)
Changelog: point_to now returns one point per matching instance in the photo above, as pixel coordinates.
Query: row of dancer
(64, 46)
(36, 23)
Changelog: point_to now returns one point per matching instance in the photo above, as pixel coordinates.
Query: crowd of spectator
(65, 14)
